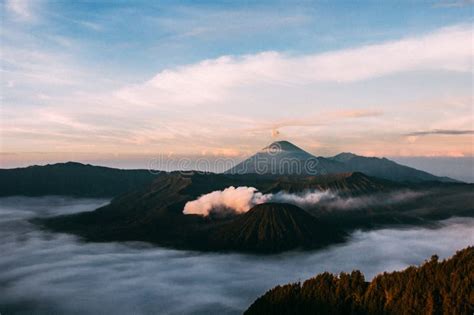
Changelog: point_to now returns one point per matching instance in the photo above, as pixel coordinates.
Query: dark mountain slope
(277, 160)
(273, 227)
(71, 179)
(344, 183)
(434, 288)
(155, 212)
(385, 168)
(169, 192)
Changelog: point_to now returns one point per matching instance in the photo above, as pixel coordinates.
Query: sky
(117, 82)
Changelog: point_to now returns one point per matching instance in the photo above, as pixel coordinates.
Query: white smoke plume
(305, 199)
(242, 199)
(239, 200)
(373, 200)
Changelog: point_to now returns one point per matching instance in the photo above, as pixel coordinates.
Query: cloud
(306, 199)
(39, 69)
(242, 199)
(323, 118)
(218, 80)
(21, 9)
(440, 132)
(238, 200)
(43, 272)
(232, 103)
(381, 199)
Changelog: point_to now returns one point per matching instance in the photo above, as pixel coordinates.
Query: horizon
(116, 84)
(434, 165)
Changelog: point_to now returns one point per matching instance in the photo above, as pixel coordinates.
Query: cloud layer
(441, 132)
(46, 273)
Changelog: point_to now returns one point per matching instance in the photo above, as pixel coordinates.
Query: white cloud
(221, 79)
(21, 9)
(318, 101)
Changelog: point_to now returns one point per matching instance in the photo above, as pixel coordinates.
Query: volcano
(154, 213)
(273, 227)
(285, 158)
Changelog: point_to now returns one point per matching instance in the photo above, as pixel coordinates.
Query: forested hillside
(445, 287)
(71, 179)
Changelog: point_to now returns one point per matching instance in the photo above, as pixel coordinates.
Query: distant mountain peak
(285, 158)
(283, 145)
(344, 156)
(280, 158)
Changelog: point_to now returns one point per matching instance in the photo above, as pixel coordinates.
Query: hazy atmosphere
(236, 157)
(120, 84)
(50, 272)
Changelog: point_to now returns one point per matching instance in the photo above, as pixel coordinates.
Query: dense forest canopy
(445, 287)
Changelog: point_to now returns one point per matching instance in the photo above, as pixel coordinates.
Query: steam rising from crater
(239, 200)
(243, 198)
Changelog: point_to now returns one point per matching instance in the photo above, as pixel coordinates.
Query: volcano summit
(285, 158)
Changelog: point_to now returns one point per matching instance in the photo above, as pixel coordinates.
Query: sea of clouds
(51, 273)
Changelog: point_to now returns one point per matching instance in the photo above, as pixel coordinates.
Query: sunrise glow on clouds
(402, 93)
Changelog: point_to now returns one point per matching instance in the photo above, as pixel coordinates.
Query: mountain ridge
(385, 168)
(280, 158)
(154, 213)
(283, 157)
(72, 179)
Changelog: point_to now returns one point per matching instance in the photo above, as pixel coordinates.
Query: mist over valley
(45, 272)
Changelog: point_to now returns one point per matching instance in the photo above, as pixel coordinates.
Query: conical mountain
(272, 227)
(285, 158)
(285, 146)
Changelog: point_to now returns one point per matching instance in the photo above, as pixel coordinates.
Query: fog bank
(47, 273)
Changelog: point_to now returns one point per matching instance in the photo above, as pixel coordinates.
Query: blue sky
(143, 37)
(113, 79)
(139, 38)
